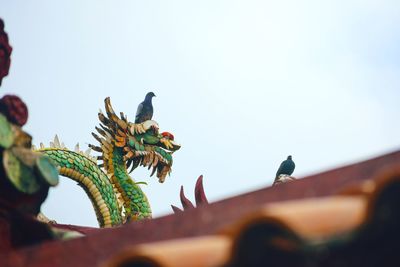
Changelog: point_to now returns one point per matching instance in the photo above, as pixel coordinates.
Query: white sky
(241, 85)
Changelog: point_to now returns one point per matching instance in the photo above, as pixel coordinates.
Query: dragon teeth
(163, 173)
(151, 157)
(155, 162)
(166, 170)
(148, 162)
(153, 171)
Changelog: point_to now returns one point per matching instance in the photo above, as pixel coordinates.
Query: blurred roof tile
(259, 222)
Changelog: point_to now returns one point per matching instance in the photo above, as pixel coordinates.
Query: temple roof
(346, 216)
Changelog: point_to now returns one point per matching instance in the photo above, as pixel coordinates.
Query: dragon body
(123, 145)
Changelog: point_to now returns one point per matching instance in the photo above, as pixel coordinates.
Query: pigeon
(145, 109)
(287, 167)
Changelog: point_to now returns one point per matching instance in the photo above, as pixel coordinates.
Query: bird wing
(280, 169)
(139, 112)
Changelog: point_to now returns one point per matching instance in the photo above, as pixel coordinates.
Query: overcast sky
(241, 85)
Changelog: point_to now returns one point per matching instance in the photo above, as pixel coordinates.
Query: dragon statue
(27, 173)
(124, 146)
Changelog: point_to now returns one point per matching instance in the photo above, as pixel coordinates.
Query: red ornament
(199, 194)
(168, 135)
(14, 109)
(5, 52)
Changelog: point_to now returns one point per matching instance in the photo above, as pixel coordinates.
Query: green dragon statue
(123, 145)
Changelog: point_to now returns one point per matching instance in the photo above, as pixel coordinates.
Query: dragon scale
(115, 196)
(82, 169)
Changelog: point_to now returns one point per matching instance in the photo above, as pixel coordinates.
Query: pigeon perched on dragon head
(145, 109)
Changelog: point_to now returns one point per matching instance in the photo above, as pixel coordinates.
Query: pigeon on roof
(287, 167)
(145, 109)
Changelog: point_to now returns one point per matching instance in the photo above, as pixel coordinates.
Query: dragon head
(148, 148)
(141, 143)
